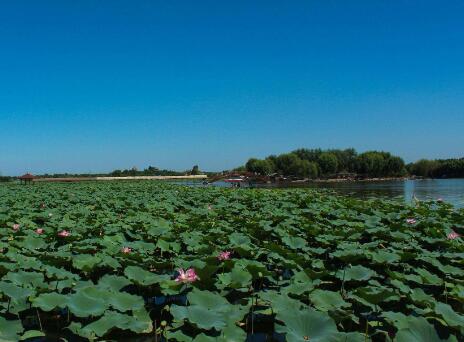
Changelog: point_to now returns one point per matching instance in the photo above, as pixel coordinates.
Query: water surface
(450, 190)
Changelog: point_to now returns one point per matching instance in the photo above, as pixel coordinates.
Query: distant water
(450, 190)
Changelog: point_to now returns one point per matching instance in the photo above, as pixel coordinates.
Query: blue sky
(90, 86)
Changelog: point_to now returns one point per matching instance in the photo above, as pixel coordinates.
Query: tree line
(318, 163)
(149, 171)
(437, 168)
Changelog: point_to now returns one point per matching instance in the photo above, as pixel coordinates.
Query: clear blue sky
(90, 86)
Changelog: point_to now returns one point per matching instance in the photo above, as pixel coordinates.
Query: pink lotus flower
(188, 276)
(453, 235)
(225, 255)
(411, 221)
(440, 199)
(16, 227)
(126, 250)
(39, 230)
(64, 233)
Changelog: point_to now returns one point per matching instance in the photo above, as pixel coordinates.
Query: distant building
(26, 178)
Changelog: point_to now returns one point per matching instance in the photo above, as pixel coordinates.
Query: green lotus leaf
(113, 320)
(327, 300)
(9, 330)
(384, 257)
(377, 294)
(142, 277)
(294, 242)
(33, 243)
(125, 302)
(237, 278)
(59, 273)
(204, 318)
(31, 334)
(49, 301)
(85, 262)
(418, 296)
(280, 302)
(14, 292)
(240, 240)
(298, 288)
(26, 279)
(113, 282)
(417, 330)
(159, 227)
(87, 302)
(179, 336)
(398, 319)
(107, 260)
(400, 286)
(179, 313)
(232, 333)
(357, 273)
(208, 300)
(350, 337)
(307, 325)
(166, 246)
(428, 278)
(451, 318)
(204, 338)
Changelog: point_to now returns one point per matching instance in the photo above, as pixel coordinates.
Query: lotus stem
(367, 331)
(38, 317)
(156, 332)
(342, 290)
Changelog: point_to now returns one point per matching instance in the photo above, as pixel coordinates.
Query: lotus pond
(149, 261)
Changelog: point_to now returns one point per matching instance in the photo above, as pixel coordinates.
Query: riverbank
(82, 179)
(341, 180)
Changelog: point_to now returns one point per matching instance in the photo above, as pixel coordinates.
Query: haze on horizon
(95, 86)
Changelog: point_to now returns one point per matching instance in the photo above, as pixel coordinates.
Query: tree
(287, 163)
(195, 170)
(395, 166)
(313, 170)
(251, 164)
(370, 164)
(328, 163)
(424, 168)
(259, 166)
(311, 155)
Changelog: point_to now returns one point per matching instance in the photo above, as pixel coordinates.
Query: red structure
(27, 178)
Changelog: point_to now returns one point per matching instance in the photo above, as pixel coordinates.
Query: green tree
(370, 164)
(395, 166)
(195, 170)
(313, 170)
(424, 168)
(259, 166)
(328, 163)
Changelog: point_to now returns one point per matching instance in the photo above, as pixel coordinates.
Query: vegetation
(313, 163)
(132, 260)
(149, 171)
(438, 168)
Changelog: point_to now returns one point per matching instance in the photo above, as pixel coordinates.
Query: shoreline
(346, 180)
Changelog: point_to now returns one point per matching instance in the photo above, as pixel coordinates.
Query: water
(450, 190)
